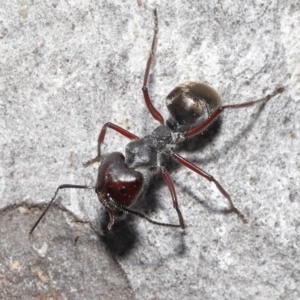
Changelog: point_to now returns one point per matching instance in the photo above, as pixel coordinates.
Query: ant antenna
(63, 186)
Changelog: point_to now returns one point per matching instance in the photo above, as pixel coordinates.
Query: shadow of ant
(122, 238)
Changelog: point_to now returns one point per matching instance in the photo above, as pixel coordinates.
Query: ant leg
(63, 186)
(196, 169)
(143, 216)
(153, 111)
(200, 128)
(171, 187)
(102, 136)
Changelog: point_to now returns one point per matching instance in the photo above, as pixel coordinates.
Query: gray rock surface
(69, 67)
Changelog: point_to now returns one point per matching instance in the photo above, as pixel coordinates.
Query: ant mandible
(193, 107)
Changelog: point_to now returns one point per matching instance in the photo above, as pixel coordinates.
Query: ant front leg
(171, 187)
(196, 169)
(102, 136)
(153, 111)
(143, 216)
(201, 127)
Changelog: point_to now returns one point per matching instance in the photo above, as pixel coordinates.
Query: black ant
(121, 179)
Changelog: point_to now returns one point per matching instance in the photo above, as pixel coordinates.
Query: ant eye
(123, 190)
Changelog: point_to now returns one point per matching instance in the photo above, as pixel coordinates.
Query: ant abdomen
(190, 104)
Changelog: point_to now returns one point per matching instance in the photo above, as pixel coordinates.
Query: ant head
(117, 184)
(190, 104)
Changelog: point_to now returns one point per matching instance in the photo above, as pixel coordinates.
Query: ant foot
(91, 161)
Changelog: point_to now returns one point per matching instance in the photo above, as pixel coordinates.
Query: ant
(193, 107)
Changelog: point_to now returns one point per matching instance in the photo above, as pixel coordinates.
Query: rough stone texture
(67, 67)
(63, 261)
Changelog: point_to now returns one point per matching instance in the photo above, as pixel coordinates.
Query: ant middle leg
(201, 127)
(199, 171)
(102, 136)
(153, 111)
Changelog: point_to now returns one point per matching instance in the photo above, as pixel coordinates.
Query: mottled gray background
(67, 67)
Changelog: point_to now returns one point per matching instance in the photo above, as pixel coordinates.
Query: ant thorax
(144, 152)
